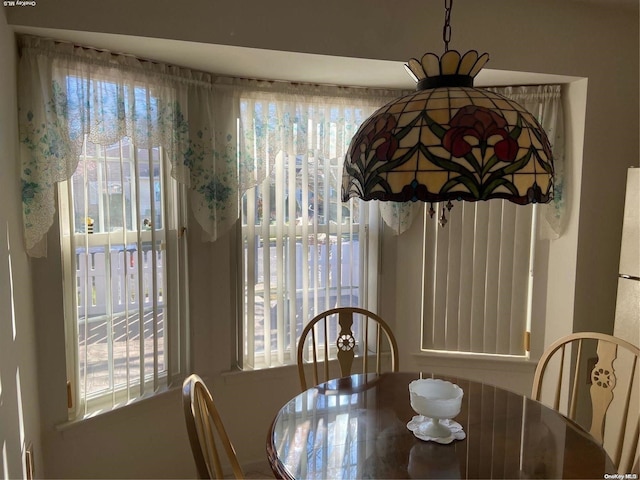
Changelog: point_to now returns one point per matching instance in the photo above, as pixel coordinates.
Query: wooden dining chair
(361, 338)
(206, 430)
(592, 378)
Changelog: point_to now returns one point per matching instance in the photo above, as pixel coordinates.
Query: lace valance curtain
(545, 103)
(283, 121)
(217, 141)
(68, 94)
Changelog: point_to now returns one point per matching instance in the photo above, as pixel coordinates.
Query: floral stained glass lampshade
(449, 141)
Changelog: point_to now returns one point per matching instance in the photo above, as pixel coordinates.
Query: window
(478, 271)
(477, 279)
(121, 140)
(303, 250)
(122, 257)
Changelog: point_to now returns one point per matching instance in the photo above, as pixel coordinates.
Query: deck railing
(131, 286)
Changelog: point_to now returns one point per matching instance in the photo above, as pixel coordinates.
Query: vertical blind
(120, 265)
(478, 278)
(303, 250)
(478, 269)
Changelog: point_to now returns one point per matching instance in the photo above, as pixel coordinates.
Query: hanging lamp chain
(446, 30)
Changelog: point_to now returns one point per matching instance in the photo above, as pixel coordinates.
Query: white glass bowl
(437, 400)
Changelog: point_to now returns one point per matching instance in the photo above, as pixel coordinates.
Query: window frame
(530, 323)
(368, 228)
(176, 310)
(369, 237)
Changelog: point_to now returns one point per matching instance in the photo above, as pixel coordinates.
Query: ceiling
(275, 65)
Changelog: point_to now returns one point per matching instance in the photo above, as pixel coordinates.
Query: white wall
(582, 39)
(19, 413)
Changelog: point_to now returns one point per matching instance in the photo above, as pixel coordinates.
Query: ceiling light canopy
(449, 141)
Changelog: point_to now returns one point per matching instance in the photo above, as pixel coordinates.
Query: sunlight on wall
(20, 412)
(5, 468)
(10, 272)
(13, 433)
(13, 316)
(4, 444)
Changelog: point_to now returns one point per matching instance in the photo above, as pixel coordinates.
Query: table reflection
(430, 460)
(356, 428)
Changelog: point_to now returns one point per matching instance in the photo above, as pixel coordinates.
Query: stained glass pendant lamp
(449, 141)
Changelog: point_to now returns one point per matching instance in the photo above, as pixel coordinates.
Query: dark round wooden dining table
(356, 427)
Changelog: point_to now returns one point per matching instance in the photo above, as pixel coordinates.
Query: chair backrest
(609, 408)
(206, 429)
(359, 334)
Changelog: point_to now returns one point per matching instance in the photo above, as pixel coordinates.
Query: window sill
(122, 410)
(236, 377)
(474, 361)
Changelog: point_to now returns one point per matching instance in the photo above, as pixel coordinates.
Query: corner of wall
(20, 431)
(562, 258)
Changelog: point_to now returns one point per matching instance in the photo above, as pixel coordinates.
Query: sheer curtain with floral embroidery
(69, 94)
(545, 103)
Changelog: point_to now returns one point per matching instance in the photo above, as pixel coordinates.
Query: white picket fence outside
(321, 267)
(96, 269)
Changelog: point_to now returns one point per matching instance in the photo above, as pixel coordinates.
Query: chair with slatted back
(205, 429)
(361, 338)
(593, 379)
